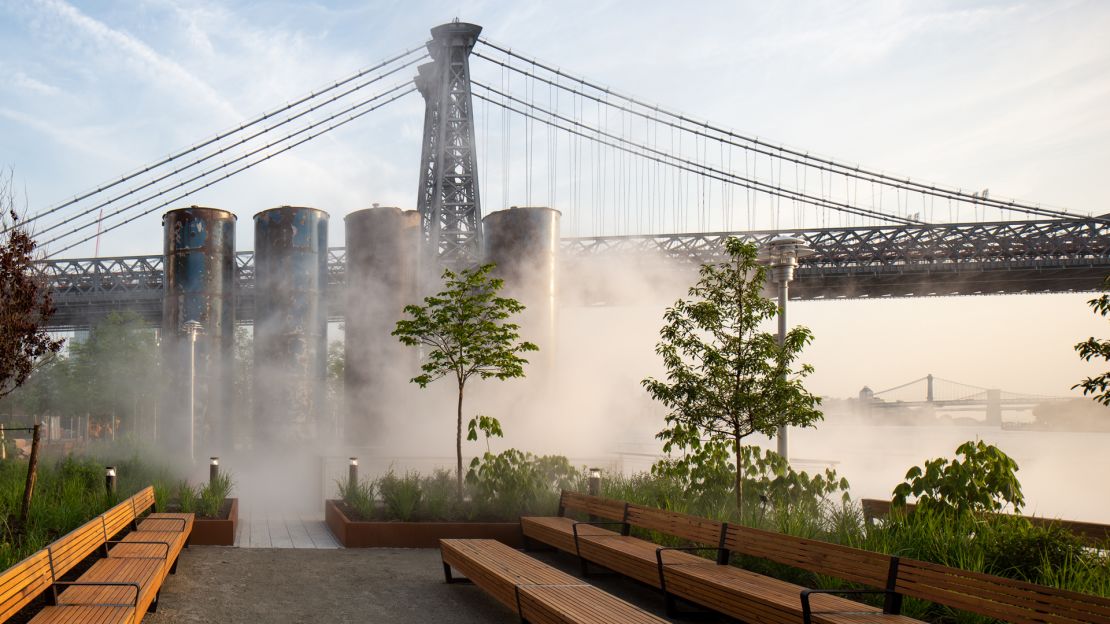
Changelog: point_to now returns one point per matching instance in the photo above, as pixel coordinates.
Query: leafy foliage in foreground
(68, 493)
(985, 481)
(1096, 348)
(499, 486)
(205, 501)
(726, 377)
(25, 303)
(467, 333)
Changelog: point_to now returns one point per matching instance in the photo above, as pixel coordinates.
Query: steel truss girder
(917, 260)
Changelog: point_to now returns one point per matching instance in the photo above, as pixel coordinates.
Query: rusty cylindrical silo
(524, 244)
(291, 322)
(383, 250)
(199, 289)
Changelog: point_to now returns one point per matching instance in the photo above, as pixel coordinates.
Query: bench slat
(21, 583)
(684, 526)
(1011, 599)
(544, 593)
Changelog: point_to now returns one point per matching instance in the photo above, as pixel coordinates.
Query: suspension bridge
(632, 179)
(936, 393)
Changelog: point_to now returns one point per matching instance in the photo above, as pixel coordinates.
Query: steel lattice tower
(448, 200)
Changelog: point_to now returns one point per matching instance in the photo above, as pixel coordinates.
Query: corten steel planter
(360, 534)
(217, 531)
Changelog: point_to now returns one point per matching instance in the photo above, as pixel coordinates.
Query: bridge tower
(448, 200)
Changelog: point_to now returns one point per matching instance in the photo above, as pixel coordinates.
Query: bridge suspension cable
(213, 154)
(350, 113)
(289, 106)
(758, 146)
(644, 151)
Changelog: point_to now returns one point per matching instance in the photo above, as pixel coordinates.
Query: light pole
(781, 254)
(192, 328)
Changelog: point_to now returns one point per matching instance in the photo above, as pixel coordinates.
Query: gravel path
(379, 585)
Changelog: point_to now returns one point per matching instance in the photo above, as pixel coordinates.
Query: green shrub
(210, 498)
(359, 497)
(439, 500)
(69, 491)
(985, 480)
(188, 498)
(401, 495)
(514, 483)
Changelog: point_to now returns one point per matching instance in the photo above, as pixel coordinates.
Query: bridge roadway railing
(881, 261)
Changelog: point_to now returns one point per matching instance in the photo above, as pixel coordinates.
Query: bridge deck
(892, 261)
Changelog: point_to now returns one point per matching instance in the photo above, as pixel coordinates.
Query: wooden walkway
(260, 528)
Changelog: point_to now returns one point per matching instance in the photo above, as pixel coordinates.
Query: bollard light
(595, 481)
(213, 470)
(352, 472)
(110, 480)
(595, 488)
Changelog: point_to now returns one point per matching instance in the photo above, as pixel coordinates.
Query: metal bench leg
(154, 604)
(670, 607)
(173, 568)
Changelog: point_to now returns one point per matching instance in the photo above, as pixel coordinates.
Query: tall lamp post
(780, 254)
(192, 328)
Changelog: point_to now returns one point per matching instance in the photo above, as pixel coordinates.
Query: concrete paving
(380, 585)
(261, 528)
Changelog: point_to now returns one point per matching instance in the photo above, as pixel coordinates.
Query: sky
(1006, 95)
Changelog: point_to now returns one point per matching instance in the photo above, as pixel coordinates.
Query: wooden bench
(1005, 599)
(1092, 534)
(677, 571)
(119, 587)
(537, 592)
(756, 598)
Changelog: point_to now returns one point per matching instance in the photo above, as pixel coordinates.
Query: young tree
(25, 303)
(1094, 348)
(467, 332)
(116, 370)
(726, 378)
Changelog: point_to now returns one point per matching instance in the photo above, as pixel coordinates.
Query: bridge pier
(994, 408)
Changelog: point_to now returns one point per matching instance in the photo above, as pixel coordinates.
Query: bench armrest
(625, 528)
(135, 586)
(165, 544)
(722, 559)
(722, 553)
(807, 612)
(181, 520)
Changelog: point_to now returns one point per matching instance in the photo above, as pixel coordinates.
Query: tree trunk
(29, 487)
(739, 479)
(458, 445)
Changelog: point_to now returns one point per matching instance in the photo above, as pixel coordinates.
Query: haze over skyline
(1008, 96)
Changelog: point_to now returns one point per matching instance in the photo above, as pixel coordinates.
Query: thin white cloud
(19, 82)
(59, 135)
(155, 66)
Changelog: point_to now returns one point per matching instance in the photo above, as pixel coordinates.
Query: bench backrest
(1002, 598)
(143, 500)
(72, 548)
(851, 564)
(21, 583)
(118, 518)
(606, 508)
(684, 526)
